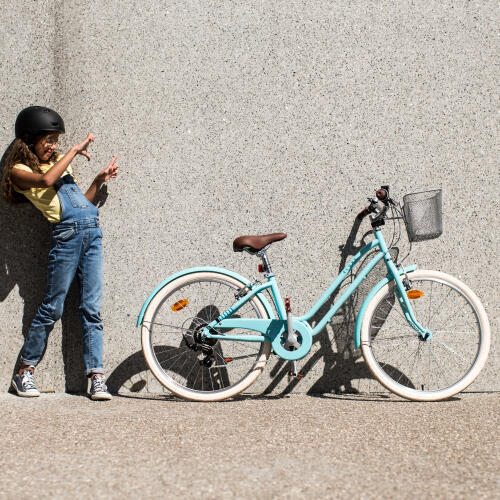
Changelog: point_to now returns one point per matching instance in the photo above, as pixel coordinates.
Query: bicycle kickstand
(291, 342)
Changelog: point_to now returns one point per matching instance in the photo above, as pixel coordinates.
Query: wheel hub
(196, 342)
(423, 337)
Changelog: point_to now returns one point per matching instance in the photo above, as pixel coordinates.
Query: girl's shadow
(24, 248)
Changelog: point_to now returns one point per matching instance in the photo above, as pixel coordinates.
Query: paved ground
(64, 446)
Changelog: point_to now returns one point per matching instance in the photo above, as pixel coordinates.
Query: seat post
(266, 265)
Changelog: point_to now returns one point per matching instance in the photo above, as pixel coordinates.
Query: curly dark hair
(19, 152)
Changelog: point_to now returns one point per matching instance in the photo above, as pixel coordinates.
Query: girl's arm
(26, 180)
(110, 172)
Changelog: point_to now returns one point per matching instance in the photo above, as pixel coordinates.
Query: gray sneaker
(24, 385)
(98, 389)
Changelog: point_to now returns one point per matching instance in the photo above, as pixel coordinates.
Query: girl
(34, 170)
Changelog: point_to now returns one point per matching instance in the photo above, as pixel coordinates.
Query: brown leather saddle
(254, 244)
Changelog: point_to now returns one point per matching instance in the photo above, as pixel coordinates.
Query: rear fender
(192, 270)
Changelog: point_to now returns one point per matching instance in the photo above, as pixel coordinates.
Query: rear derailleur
(195, 342)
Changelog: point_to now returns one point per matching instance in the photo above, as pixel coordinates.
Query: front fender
(373, 291)
(192, 270)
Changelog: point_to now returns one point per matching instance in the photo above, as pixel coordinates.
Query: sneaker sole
(24, 394)
(101, 397)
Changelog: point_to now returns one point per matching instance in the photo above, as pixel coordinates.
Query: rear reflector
(179, 305)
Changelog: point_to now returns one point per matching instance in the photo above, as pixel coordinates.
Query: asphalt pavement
(300, 446)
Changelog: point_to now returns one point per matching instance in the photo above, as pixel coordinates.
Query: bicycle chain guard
(304, 338)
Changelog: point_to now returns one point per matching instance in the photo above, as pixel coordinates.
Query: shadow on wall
(341, 365)
(337, 350)
(24, 248)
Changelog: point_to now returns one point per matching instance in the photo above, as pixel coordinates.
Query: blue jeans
(76, 249)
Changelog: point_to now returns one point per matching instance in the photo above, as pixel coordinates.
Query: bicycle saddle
(254, 244)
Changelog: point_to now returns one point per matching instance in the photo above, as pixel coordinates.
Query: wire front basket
(423, 215)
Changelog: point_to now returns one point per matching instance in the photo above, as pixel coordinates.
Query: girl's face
(46, 145)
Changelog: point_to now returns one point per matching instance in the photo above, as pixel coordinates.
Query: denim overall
(76, 248)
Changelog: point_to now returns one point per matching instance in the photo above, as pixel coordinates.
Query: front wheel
(426, 370)
(183, 362)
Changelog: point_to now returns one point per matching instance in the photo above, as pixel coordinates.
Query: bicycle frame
(272, 329)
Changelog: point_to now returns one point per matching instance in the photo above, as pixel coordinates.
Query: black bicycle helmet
(37, 120)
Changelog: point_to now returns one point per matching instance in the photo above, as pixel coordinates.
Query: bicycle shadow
(24, 249)
(343, 364)
(182, 359)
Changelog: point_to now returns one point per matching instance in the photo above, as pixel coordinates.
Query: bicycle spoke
(393, 320)
(164, 324)
(222, 359)
(173, 357)
(439, 307)
(191, 370)
(442, 371)
(446, 320)
(407, 357)
(391, 350)
(399, 312)
(217, 293)
(422, 369)
(416, 357)
(210, 378)
(177, 358)
(396, 338)
(166, 349)
(449, 349)
(453, 332)
(170, 329)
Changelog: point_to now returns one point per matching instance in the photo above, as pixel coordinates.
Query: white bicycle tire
(164, 379)
(414, 394)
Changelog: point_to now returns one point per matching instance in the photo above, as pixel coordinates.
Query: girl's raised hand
(110, 172)
(81, 147)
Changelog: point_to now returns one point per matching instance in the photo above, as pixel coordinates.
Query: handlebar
(382, 195)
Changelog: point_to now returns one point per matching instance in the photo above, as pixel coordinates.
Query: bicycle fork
(402, 285)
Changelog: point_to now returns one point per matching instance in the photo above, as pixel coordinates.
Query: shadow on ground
(333, 347)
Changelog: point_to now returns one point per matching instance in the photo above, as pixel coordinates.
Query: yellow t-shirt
(45, 199)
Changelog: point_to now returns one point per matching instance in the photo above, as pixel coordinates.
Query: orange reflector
(179, 305)
(228, 360)
(414, 294)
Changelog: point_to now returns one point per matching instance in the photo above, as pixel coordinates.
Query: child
(34, 170)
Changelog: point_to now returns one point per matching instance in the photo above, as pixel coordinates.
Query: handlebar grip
(382, 194)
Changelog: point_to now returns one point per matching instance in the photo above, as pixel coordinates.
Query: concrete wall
(235, 118)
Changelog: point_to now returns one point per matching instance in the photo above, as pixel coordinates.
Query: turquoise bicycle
(207, 332)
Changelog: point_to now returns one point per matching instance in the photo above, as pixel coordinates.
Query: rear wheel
(426, 370)
(189, 367)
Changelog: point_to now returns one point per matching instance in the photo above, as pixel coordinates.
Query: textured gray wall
(248, 117)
